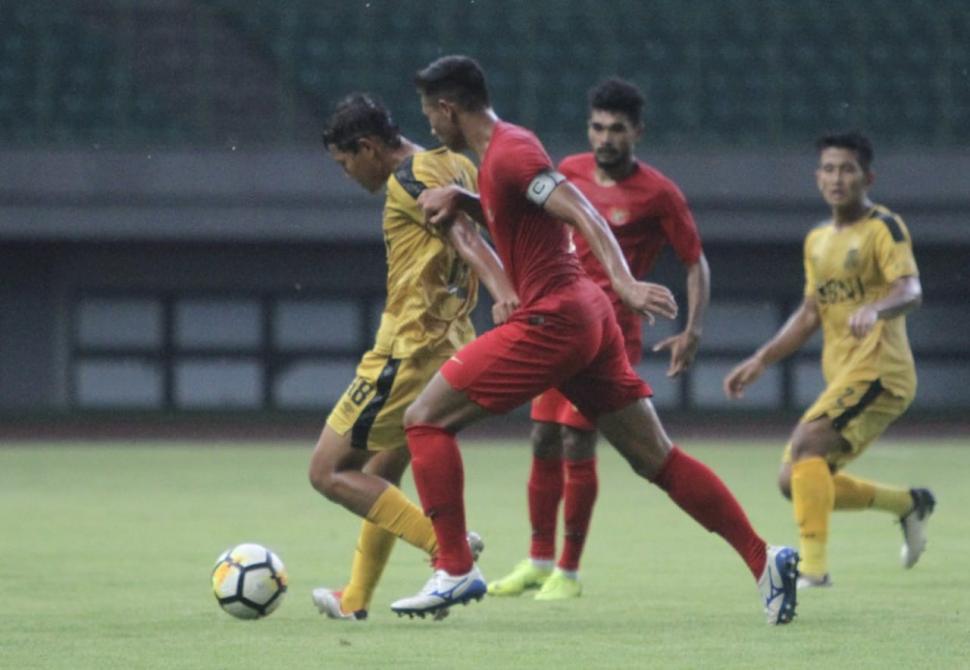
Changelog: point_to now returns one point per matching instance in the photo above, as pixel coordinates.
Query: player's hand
(682, 347)
(862, 321)
(440, 205)
(742, 376)
(649, 300)
(502, 309)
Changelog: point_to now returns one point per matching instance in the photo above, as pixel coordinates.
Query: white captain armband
(542, 186)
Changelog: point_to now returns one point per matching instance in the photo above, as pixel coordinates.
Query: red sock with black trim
(701, 493)
(581, 488)
(545, 491)
(440, 480)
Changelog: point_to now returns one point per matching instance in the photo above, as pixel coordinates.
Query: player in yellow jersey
(431, 290)
(860, 281)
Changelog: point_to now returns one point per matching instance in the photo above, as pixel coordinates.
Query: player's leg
(579, 495)
(545, 491)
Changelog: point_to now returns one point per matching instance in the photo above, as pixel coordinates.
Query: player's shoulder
(506, 133)
(430, 168)
(578, 165)
(884, 221)
(820, 229)
(651, 178)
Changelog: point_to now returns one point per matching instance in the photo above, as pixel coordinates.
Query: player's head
(615, 121)
(844, 170)
(449, 87)
(358, 134)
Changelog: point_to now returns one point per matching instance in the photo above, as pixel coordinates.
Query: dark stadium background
(178, 253)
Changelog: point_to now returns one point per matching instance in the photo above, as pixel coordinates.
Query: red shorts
(553, 407)
(568, 340)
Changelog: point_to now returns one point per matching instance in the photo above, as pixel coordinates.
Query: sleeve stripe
(894, 228)
(405, 177)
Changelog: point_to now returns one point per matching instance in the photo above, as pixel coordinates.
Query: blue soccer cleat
(778, 585)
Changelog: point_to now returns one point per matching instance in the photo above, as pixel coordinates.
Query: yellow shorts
(372, 407)
(861, 411)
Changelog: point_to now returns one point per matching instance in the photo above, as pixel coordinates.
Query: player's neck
(846, 216)
(397, 156)
(478, 128)
(609, 176)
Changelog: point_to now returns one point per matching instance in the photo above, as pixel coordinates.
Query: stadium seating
(721, 74)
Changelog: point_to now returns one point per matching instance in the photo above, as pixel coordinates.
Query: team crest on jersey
(851, 260)
(618, 216)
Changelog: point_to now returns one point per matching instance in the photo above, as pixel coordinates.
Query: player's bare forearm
(443, 203)
(484, 262)
(698, 296)
(801, 325)
(905, 295)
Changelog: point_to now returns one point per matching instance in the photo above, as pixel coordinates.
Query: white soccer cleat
(441, 592)
(808, 582)
(328, 602)
(778, 585)
(914, 526)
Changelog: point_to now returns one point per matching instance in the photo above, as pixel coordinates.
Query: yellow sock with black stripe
(393, 512)
(374, 545)
(813, 496)
(854, 493)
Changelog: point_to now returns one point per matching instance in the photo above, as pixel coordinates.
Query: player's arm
(790, 338)
(683, 346)
(445, 202)
(484, 262)
(905, 295)
(551, 191)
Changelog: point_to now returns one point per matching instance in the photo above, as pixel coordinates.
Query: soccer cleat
(914, 526)
(809, 582)
(560, 587)
(778, 585)
(524, 576)
(328, 602)
(441, 592)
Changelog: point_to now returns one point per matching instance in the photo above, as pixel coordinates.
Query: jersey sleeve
(894, 249)
(518, 162)
(809, 291)
(679, 226)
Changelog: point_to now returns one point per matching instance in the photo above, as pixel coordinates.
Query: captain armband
(542, 186)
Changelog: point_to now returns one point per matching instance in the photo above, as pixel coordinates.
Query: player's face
(442, 119)
(612, 136)
(840, 177)
(362, 165)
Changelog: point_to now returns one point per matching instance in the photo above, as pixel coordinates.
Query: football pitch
(108, 549)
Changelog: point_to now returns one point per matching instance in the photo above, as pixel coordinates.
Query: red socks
(580, 495)
(440, 480)
(701, 493)
(545, 492)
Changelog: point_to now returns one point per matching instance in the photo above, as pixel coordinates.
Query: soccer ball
(249, 581)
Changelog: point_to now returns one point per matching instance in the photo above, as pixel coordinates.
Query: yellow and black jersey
(430, 290)
(847, 267)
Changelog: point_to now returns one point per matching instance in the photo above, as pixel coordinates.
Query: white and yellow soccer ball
(249, 581)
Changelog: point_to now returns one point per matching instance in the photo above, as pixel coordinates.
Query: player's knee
(416, 414)
(578, 445)
(546, 440)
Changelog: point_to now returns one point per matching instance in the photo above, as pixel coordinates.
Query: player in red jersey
(645, 211)
(564, 335)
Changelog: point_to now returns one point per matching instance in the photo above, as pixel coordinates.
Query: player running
(860, 281)
(645, 211)
(361, 454)
(563, 336)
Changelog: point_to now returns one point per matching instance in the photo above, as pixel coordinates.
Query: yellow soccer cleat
(560, 587)
(524, 576)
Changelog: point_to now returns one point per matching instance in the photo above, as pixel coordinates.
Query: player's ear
(870, 178)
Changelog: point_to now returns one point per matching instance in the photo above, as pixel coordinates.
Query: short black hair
(618, 96)
(360, 115)
(853, 141)
(456, 78)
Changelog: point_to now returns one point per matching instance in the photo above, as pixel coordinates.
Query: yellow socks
(854, 493)
(395, 513)
(374, 546)
(813, 496)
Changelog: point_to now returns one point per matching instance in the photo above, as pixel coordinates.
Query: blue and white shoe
(441, 592)
(778, 585)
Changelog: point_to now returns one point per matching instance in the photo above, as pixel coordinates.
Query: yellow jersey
(846, 268)
(430, 290)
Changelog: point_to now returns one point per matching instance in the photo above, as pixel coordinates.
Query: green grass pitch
(107, 550)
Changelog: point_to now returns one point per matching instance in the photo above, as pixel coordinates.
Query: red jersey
(534, 246)
(645, 211)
